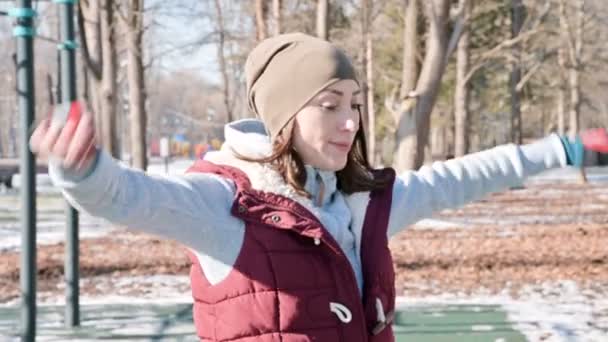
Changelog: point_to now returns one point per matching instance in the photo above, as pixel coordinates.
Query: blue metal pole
(24, 33)
(68, 94)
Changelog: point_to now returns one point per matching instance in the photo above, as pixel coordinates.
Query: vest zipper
(358, 299)
(343, 259)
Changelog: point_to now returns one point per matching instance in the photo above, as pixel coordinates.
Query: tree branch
(93, 66)
(459, 27)
(567, 33)
(497, 52)
(520, 85)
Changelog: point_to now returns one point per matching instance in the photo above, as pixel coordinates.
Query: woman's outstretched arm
(450, 184)
(193, 209)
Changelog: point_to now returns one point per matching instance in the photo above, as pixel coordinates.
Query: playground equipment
(24, 32)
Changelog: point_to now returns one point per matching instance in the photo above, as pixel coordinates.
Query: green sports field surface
(174, 323)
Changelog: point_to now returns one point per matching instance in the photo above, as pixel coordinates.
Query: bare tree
(8, 103)
(461, 93)
(369, 112)
(323, 19)
(98, 33)
(260, 19)
(561, 94)
(519, 50)
(503, 50)
(135, 72)
(410, 48)
(573, 41)
(404, 115)
(517, 22)
(561, 89)
(108, 99)
(222, 60)
(89, 22)
(412, 111)
(277, 9)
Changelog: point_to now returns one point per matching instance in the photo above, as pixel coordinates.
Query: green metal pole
(68, 94)
(24, 33)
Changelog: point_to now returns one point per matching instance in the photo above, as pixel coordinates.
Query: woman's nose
(350, 125)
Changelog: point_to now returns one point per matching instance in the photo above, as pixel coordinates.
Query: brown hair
(356, 176)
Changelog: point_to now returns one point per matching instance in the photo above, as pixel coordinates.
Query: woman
(287, 225)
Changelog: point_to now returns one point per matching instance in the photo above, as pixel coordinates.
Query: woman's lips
(344, 147)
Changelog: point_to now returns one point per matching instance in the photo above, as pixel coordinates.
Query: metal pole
(25, 93)
(68, 94)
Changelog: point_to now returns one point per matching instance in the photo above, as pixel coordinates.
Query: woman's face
(324, 129)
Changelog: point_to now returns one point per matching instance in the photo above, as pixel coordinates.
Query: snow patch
(550, 312)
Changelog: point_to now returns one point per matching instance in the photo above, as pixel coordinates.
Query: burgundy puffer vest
(291, 281)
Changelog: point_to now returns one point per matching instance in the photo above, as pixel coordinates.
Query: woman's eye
(329, 107)
(356, 106)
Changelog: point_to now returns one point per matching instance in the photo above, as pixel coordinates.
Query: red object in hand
(75, 112)
(66, 112)
(595, 140)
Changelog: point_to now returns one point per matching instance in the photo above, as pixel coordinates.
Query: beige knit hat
(284, 72)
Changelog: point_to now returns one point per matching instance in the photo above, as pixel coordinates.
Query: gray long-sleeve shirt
(194, 209)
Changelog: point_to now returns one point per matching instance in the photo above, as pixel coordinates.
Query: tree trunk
(405, 135)
(222, 60)
(461, 94)
(438, 143)
(572, 43)
(412, 144)
(570, 58)
(575, 67)
(323, 19)
(135, 71)
(369, 82)
(561, 93)
(108, 83)
(575, 87)
(13, 119)
(84, 91)
(410, 48)
(561, 110)
(277, 6)
(575, 102)
(89, 19)
(517, 21)
(4, 132)
(260, 19)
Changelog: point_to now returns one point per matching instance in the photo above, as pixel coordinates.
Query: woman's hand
(72, 143)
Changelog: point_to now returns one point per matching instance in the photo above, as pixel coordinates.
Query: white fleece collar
(248, 138)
